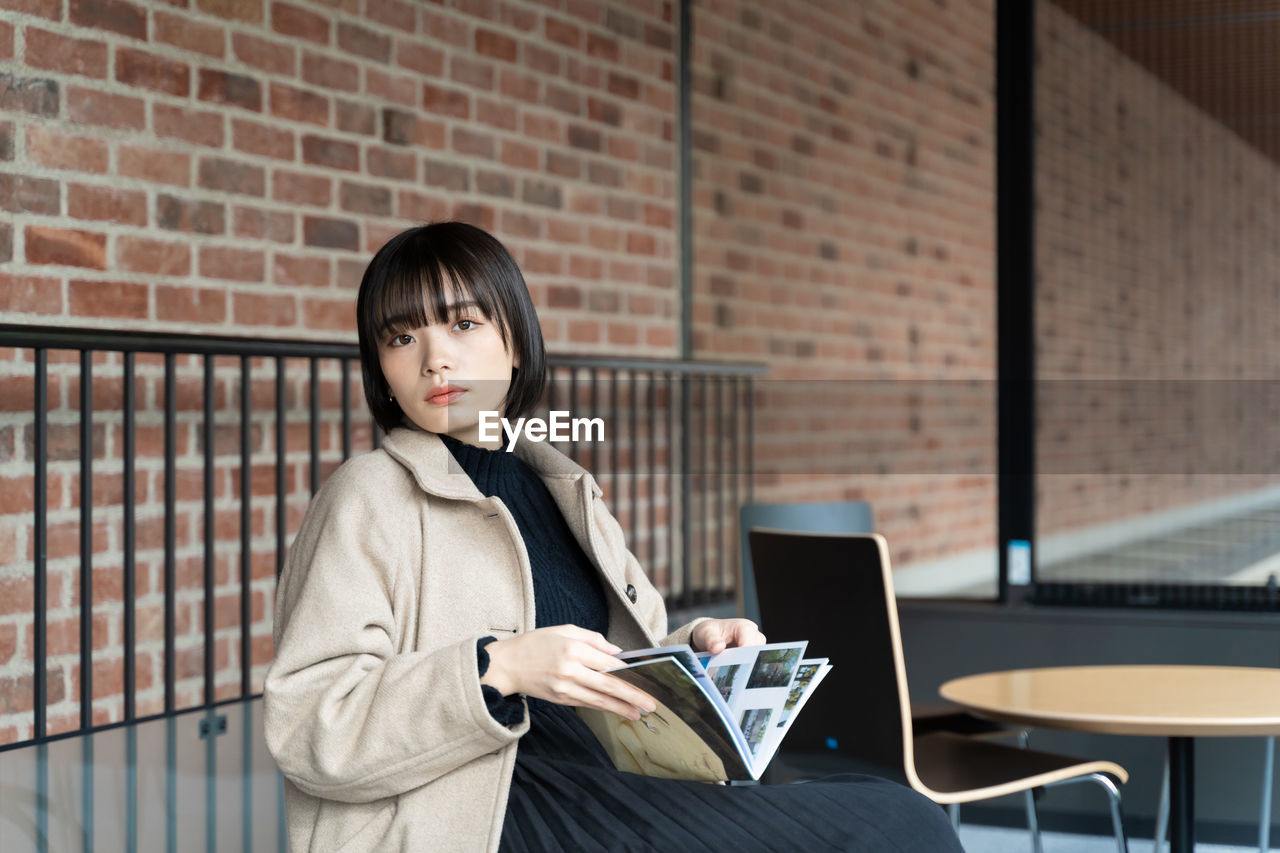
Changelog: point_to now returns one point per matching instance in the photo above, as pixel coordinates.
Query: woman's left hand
(716, 635)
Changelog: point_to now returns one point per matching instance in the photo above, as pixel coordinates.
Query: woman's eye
(401, 340)
(465, 325)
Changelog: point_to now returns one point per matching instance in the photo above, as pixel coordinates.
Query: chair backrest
(838, 517)
(836, 591)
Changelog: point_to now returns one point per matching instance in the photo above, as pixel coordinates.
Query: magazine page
(754, 677)
(809, 675)
(686, 737)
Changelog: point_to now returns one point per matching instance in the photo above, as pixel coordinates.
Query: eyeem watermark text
(560, 427)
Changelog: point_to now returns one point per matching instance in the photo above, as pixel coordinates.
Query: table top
(1170, 701)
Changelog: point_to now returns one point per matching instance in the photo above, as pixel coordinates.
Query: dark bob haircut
(408, 284)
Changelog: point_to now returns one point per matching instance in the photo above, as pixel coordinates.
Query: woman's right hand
(564, 664)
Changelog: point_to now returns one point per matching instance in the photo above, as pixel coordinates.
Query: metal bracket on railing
(213, 723)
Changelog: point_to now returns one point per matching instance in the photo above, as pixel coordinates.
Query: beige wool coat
(372, 707)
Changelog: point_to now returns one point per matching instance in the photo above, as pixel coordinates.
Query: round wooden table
(1176, 702)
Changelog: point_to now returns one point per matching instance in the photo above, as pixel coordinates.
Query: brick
(188, 34)
(448, 102)
(496, 45)
(6, 243)
(200, 217)
(562, 99)
(337, 315)
(148, 71)
(55, 52)
(257, 309)
(364, 42)
(231, 176)
(518, 155)
(297, 22)
(50, 9)
(190, 305)
(420, 208)
(445, 28)
(29, 95)
(541, 60)
(6, 140)
(541, 193)
(301, 188)
(261, 139)
(87, 106)
(232, 264)
(273, 57)
(160, 167)
(155, 257)
(400, 88)
(446, 175)
(564, 165)
(107, 204)
(300, 271)
(604, 111)
(195, 126)
(274, 225)
(25, 194)
(623, 85)
(470, 72)
(330, 233)
(393, 13)
(587, 138)
(387, 163)
(356, 118)
(468, 142)
(237, 90)
(419, 57)
(29, 294)
(329, 73)
(65, 247)
(364, 198)
(332, 153)
(107, 299)
(562, 32)
(48, 148)
(114, 15)
(519, 86)
(299, 105)
(238, 10)
(602, 47)
(399, 127)
(495, 183)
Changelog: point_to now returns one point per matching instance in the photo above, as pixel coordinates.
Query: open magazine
(719, 717)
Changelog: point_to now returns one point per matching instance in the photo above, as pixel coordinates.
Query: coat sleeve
(347, 715)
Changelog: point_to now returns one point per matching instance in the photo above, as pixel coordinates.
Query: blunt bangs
(409, 284)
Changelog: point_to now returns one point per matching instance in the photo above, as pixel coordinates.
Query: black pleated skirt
(567, 795)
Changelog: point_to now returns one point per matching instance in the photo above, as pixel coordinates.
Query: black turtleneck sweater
(566, 586)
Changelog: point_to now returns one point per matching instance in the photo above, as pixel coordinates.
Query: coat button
(631, 593)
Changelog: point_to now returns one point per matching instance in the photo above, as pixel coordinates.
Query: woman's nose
(437, 355)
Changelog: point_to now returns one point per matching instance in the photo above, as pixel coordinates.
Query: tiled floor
(985, 839)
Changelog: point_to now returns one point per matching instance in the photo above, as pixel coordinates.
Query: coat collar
(438, 473)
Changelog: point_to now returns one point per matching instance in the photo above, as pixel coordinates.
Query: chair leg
(1033, 822)
(1117, 819)
(953, 811)
(1162, 810)
(1264, 824)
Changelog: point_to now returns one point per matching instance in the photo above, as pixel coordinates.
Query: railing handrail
(191, 343)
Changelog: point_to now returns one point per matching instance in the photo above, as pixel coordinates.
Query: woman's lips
(446, 395)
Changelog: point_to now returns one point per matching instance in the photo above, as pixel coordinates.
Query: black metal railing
(675, 467)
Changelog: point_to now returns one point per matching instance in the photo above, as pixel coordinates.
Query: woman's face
(444, 375)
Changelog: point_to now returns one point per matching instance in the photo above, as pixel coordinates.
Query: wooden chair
(846, 517)
(837, 592)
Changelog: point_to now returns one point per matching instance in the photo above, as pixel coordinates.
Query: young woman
(446, 604)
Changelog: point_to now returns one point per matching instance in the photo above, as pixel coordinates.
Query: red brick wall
(844, 233)
(227, 166)
(1156, 309)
